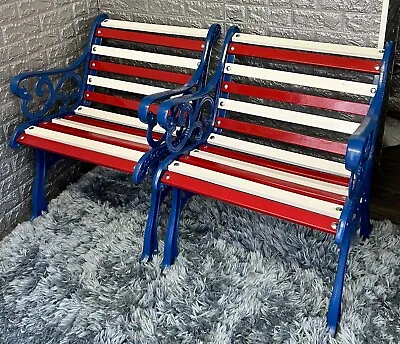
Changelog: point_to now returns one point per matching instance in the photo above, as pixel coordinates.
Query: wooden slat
(296, 98)
(281, 135)
(146, 38)
(242, 199)
(307, 58)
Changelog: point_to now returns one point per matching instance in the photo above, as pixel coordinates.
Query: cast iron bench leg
(38, 192)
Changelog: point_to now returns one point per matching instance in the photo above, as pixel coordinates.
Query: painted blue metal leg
(150, 244)
(38, 192)
(171, 237)
(366, 227)
(334, 309)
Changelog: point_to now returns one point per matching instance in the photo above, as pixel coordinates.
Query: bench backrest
(296, 93)
(129, 60)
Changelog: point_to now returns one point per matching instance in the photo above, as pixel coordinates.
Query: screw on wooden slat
(377, 67)
(373, 90)
(344, 198)
(228, 68)
(93, 64)
(218, 122)
(221, 103)
(198, 63)
(196, 150)
(202, 46)
(90, 79)
(94, 49)
(22, 137)
(212, 137)
(31, 127)
(339, 208)
(105, 20)
(226, 86)
(167, 177)
(205, 146)
(334, 225)
(79, 108)
(176, 163)
(87, 95)
(45, 122)
(232, 48)
(237, 35)
(99, 31)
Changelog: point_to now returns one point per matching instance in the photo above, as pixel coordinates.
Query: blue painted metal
(197, 127)
(38, 192)
(198, 80)
(359, 160)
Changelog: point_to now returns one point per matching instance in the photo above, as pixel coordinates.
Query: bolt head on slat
(334, 225)
(167, 176)
(31, 127)
(339, 208)
(232, 48)
(237, 35)
(202, 46)
(87, 95)
(377, 67)
(373, 90)
(22, 137)
(221, 103)
(212, 137)
(226, 86)
(94, 49)
(90, 79)
(99, 31)
(344, 198)
(228, 68)
(79, 108)
(93, 64)
(176, 163)
(218, 122)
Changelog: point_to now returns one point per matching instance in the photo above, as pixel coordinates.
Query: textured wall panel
(32, 33)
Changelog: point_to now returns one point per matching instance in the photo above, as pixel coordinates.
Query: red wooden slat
(314, 59)
(296, 98)
(244, 200)
(259, 178)
(124, 103)
(148, 38)
(111, 126)
(146, 73)
(281, 135)
(96, 137)
(330, 178)
(78, 153)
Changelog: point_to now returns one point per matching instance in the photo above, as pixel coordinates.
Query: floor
(385, 202)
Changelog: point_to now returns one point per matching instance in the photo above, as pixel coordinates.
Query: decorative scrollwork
(48, 95)
(188, 122)
(149, 160)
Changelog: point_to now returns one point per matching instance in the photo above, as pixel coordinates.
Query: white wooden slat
(84, 143)
(281, 155)
(318, 47)
(121, 85)
(164, 29)
(261, 190)
(320, 82)
(115, 118)
(143, 56)
(382, 28)
(101, 131)
(269, 172)
(315, 121)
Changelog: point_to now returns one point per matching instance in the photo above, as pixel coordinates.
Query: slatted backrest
(296, 94)
(130, 60)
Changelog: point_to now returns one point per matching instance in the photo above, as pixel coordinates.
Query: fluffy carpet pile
(73, 276)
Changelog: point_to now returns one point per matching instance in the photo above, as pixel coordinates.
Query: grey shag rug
(73, 276)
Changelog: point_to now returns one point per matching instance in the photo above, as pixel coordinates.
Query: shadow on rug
(73, 276)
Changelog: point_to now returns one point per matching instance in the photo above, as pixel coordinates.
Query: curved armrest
(53, 92)
(197, 79)
(364, 139)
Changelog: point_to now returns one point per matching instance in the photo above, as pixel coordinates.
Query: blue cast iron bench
(292, 132)
(88, 111)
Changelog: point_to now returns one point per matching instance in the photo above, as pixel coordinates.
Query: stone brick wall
(338, 21)
(34, 35)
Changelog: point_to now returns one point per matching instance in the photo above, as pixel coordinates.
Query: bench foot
(38, 192)
(334, 310)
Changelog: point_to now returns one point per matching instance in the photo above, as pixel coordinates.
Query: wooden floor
(385, 203)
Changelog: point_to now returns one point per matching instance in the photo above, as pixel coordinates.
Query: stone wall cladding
(338, 21)
(34, 35)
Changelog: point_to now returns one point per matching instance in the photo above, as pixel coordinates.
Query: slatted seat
(294, 132)
(97, 117)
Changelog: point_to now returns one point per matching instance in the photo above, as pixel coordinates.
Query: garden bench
(293, 131)
(87, 111)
